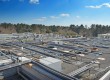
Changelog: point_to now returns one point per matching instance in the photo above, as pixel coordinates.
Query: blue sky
(55, 12)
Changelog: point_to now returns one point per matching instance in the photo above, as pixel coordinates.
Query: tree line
(69, 31)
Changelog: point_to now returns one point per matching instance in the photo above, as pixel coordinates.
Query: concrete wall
(9, 72)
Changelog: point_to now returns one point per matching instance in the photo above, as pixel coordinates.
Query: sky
(55, 12)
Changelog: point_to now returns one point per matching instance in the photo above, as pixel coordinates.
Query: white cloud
(106, 5)
(54, 17)
(64, 15)
(78, 17)
(44, 17)
(34, 1)
(41, 19)
(100, 6)
(94, 6)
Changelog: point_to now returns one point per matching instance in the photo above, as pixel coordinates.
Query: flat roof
(49, 60)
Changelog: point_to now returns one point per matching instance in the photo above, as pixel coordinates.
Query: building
(7, 36)
(107, 35)
(56, 42)
(52, 63)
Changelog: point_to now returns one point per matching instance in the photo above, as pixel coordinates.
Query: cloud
(34, 1)
(94, 6)
(41, 19)
(44, 17)
(100, 6)
(53, 17)
(60, 15)
(77, 17)
(106, 5)
(64, 15)
(30, 1)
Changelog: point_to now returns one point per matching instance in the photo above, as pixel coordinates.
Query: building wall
(9, 72)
